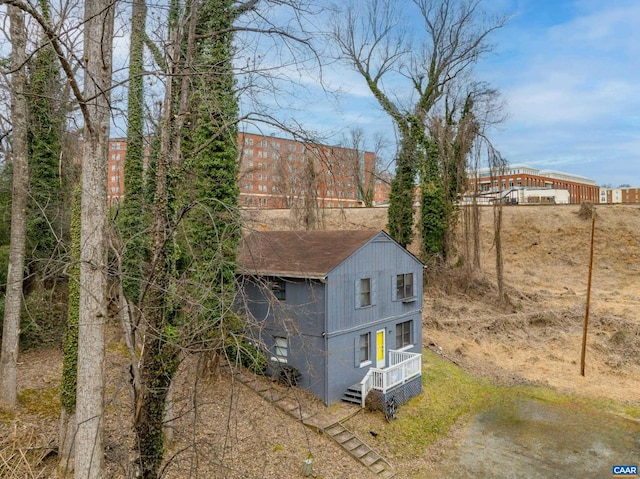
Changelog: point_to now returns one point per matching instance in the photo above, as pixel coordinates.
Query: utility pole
(586, 316)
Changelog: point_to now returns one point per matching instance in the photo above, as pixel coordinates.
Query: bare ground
(229, 432)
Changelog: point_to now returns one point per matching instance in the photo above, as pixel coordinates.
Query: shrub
(248, 356)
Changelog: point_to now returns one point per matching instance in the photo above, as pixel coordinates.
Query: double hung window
(404, 286)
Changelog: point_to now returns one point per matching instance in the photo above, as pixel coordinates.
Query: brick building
(115, 181)
(619, 195)
(580, 188)
(281, 173)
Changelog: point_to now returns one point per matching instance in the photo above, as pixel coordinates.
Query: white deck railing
(402, 367)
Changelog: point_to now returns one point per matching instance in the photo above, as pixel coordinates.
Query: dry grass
(26, 453)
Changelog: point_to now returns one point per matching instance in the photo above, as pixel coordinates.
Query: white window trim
(409, 346)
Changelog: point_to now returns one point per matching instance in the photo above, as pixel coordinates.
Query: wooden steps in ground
(360, 450)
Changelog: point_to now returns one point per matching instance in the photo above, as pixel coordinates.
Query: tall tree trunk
(133, 221)
(156, 369)
(47, 225)
(13, 296)
(68, 388)
(475, 218)
(98, 39)
(401, 199)
(497, 229)
(159, 359)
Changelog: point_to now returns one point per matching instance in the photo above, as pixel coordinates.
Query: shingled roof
(299, 254)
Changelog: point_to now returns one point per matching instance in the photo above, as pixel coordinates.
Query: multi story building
(282, 173)
(619, 195)
(115, 181)
(516, 177)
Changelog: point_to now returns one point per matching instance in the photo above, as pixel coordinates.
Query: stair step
(378, 467)
(343, 436)
(370, 458)
(386, 474)
(352, 396)
(335, 429)
(352, 444)
(361, 451)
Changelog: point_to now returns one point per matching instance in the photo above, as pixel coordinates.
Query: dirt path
(538, 440)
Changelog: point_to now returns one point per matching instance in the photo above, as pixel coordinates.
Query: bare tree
(361, 165)
(497, 166)
(13, 297)
(461, 124)
(471, 228)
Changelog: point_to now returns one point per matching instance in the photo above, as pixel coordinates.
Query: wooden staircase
(360, 451)
(319, 419)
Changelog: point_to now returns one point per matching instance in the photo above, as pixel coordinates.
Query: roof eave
(286, 274)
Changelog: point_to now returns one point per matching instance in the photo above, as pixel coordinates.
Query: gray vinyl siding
(379, 260)
(342, 367)
(299, 318)
(303, 307)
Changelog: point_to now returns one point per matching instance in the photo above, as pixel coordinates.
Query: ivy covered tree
(374, 41)
(47, 226)
(210, 152)
(133, 215)
(401, 197)
(68, 384)
(195, 230)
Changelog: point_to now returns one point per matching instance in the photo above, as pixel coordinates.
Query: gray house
(340, 309)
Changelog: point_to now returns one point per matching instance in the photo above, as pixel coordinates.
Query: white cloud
(571, 87)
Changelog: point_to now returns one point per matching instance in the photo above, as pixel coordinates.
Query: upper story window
(365, 292)
(404, 286)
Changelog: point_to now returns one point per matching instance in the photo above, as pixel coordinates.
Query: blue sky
(569, 73)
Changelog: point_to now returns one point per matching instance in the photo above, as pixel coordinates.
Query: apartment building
(281, 173)
(483, 183)
(115, 180)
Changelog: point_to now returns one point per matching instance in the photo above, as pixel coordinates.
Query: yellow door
(380, 360)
